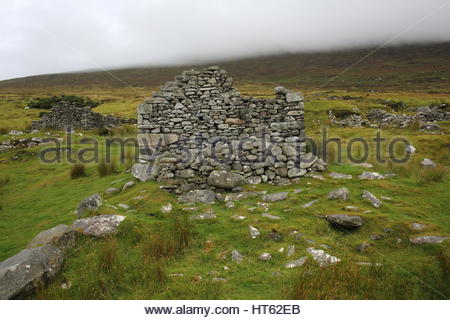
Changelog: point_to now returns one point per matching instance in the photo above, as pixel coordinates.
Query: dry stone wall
(199, 127)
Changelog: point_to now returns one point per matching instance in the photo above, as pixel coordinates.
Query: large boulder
(225, 179)
(61, 237)
(91, 203)
(98, 226)
(344, 221)
(201, 195)
(23, 273)
(145, 171)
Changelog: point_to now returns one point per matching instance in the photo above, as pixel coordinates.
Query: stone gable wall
(199, 123)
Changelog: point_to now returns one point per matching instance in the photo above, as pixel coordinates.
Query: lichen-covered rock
(98, 226)
(236, 256)
(91, 203)
(339, 194)
(344, 221)
(61, 237)
(322, 258)
(296, 263)
(146, 172)
(254, 232)
(202, 196)
(428, 239)
(21, 274)
(225, 179)
(372, 199)
(427, 163)
(275, 196)
(370, 176)
(336, 175)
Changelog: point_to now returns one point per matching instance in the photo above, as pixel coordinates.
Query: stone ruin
(200, 132)
(378, 118)
(68, 115)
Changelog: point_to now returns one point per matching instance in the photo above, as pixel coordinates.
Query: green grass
(150, 247)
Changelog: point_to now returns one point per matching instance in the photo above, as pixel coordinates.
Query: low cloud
(59, 36)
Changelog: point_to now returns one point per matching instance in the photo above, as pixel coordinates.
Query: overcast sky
(67, 35)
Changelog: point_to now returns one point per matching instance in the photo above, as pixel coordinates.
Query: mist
(61, 36)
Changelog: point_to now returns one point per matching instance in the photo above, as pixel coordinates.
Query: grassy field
(168, 256)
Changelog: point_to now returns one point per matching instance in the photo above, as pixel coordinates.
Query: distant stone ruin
(68, 115)
(198, 131)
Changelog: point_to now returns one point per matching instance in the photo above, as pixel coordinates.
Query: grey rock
(372, 199)
(293, 97)
(253, 180)
(91, 203)
(225, 179)
(236, 256)
(111, 190)
(310, 204)
(362, 165)
(269, 216)
(427, 163)
(296, 263)
(254, 232)
(204, 216)
(339, 194)
(21, 274)
(370, 176)
(336, 175)
(322, 258)
(265, 256)
(363, 247)
(290, 251)
(275, 196)
(98, 226)
(145, 172)
(344, 221)
(418, 226)
(428, 239)
(202, 196)
(128, 185)
(61, 237)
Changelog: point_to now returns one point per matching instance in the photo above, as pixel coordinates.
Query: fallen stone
(376, 237)
(344, 221)
(167, 208)
(91, 203)
(98, 226)
(128, 185)
(310, 204)
(204, 216)
(322, 258)
(111, 190)
(254, 232)
(370, 176)
(372, 199)
(362, 165)
(229, 204)
(269, 216)
(290, 251)
(265, 256)
(61, 237)
(236, 256)
(201, 195)
(123, 206)
(315, 176)
(427, 163)
(427, 239)
(242, 195)
(410, 149)
(238, 217)
(145, 172)
(21, 274)
(275, 196)
(225, 179)
(336, 175)
(296, 263)
(352, 208)
(339, 194)
(418, 226)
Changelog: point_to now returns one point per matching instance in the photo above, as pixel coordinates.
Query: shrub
(108, 255)
(428, 175)
(77, 171)
(48, 103)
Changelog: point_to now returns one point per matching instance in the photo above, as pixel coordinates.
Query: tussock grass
(77, 171)
(107, 168)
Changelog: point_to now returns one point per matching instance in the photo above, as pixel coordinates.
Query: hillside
(412, 67)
